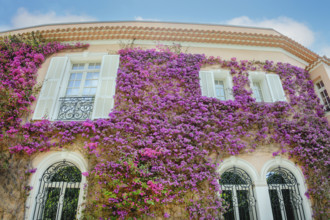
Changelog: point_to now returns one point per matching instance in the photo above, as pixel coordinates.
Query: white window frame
(278, 161)
(234, 161)
(104, 98)
(270, 84)
(263, 204)
(318, 91)
(42, 163)
(207, 83)
(84, 73)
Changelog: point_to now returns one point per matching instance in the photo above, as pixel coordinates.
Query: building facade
(262, 182)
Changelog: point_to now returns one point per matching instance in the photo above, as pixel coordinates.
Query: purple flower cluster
(153, 154)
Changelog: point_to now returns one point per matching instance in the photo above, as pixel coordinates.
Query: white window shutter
(104, 98)
(229, 86)
(207, 83)
(276, 88)
(266, 91)
(251, 76)
(50, 89)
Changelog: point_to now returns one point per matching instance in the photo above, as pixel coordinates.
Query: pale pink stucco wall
(322, 72)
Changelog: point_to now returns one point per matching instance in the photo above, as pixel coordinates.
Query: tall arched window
(237, 192)
(58, 193)
(284, 195)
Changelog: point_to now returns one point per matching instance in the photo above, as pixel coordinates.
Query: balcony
(75, 108)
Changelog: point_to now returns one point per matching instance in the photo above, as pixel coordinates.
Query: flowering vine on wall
(152, 156)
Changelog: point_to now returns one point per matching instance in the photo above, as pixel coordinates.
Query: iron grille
(237, 191)
(284, 195)
(75, 108)
(58, 194)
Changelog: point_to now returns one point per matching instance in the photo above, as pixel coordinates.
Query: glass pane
(70, 84)
(88, 83)
(89, 76)
(289, 210)
(91, 66)
(86, 91)
(67, 174)
(72, 76)
(275, 178)
(228, 197)
(257, 91)
(92, 76)
(50, 209)
(69, 92)
(74, 92)
(92, 91)
(70, 203)
(77, 83)
(231, 178)
(94, 66)
(94, 83)
(220, 90)
(75, 66)
(79, 76)
(89, 91)
(243, 204)
(275, 203)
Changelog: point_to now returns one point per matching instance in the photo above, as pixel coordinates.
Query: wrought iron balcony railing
(75, 108)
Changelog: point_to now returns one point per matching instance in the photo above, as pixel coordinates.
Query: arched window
(284, 195)
(58, 193)
(237, 192)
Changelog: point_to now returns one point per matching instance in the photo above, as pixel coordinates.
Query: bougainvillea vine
(155, 155)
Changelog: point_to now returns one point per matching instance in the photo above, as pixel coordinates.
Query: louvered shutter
(104, 98)
(50, 89)
(228, 86)
(276, 88)
(261, 79)
(207, 83)
(265, 91)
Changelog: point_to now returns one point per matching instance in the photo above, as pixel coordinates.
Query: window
(83, 79)
(58, 193)
(266, 87)
(257, 92)
(284, 195)
(323, 94)
(237, 192)
(217, 84)
(78, 87)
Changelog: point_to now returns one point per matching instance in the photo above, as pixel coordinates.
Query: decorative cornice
(176, 32)
(323, 59)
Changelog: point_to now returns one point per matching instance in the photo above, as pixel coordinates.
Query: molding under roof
(178, 32)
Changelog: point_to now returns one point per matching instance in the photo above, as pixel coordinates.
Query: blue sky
(306, 21)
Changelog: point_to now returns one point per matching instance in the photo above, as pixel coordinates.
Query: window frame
(318, 91)
(63, 186)
(279, 161)
(208, 85)
(234, 188)
(55, 86)
(84, 73)
(269, 91)
(260, 189)
(42, 163)
(297, 209)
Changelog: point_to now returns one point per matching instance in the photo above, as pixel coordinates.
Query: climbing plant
(158, 152)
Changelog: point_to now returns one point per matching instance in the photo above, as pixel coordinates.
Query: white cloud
(293, 29)
(24, 18)
(139, 18)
